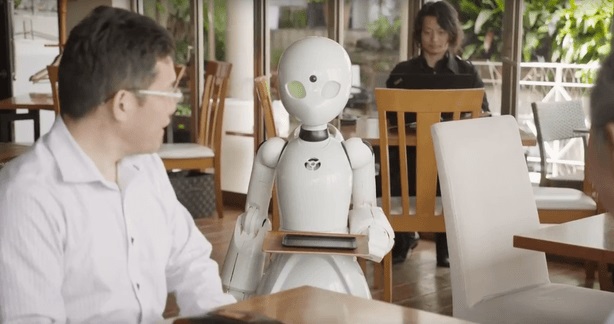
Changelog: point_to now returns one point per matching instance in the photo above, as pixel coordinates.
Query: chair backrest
(211, 114)
(556, 121)
(266, 106)
(487, 198)
(52, 71)
(428, 105)
(180, 72)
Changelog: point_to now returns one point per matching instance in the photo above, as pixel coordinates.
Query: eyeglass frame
(175, 94)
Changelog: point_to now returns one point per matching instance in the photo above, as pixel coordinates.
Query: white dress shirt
(77, 248)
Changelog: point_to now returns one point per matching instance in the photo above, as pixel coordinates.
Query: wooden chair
(555, 123)
(52, 71)
(422, 212)
(205, 154)
(263, 93)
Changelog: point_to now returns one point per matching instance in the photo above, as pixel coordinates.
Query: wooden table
(33, 102)
(314, 305)
(590, 239)
(9, 151)
(371, 136)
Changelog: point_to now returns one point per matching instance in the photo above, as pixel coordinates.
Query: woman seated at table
(438, 33)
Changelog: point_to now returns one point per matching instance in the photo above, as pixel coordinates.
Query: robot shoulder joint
(270, 150)
(359, 152)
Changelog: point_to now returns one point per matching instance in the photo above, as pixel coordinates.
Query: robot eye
(296, 89)
(313, 78)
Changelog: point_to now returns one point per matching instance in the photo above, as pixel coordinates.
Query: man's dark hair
(109, 50)
(447, 18)
(602, 95)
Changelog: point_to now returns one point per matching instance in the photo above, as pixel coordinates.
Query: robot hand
(244, 260)
(372, 221)
(251, 221)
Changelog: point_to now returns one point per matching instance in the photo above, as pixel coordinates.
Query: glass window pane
(372, 30)
(35, 44)
(175, 16)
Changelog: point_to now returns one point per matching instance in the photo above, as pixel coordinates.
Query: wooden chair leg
(590, 267)
(378, 275)
(605, 278)
(387, 296)
(219, 199)
(363, 265)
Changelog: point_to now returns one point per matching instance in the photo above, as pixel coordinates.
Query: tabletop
(9, 151)
(314, 305)
(368, 131)
(40, 101)
(590, 238)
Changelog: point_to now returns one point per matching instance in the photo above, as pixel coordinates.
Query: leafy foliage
(293, 18)
(219, 28)
(554, 30)
(583, 31)
(384, 31)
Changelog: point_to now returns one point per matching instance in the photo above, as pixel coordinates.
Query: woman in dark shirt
(438, 33)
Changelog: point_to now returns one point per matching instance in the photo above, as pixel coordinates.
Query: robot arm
(366, 217)
(244, 260)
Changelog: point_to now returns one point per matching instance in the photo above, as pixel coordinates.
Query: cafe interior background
(541, 58)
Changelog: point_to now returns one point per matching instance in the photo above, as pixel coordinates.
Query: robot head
(315, 80)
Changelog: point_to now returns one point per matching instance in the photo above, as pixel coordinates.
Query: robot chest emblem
(313, 164)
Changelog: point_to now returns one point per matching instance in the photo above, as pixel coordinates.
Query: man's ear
(121, 104)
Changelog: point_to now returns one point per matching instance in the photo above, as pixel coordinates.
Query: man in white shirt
(600, 157)
(90, 227)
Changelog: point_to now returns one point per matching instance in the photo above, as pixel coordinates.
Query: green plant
(559, 31)
(275, 57)
(385, 31)
(293, 18)
(483, 23)
(583, 31)
(175, 16)
(538, 29)
(219, 28)
(16, 3)
(183, 109)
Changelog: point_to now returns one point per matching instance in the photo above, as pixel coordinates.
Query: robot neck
(313, 135)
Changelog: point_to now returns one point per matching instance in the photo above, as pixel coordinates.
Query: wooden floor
(417, 282)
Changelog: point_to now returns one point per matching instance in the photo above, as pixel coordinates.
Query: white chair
(487, 198)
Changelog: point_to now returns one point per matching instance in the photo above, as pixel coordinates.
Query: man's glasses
(176, 94)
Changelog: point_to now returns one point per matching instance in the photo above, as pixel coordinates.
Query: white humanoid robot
(319, 177)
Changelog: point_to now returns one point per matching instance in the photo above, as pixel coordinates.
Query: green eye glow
(296, 89)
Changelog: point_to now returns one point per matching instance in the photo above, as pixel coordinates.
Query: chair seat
(562, 198)
(547, 303)
(397, 208)
(185, 151)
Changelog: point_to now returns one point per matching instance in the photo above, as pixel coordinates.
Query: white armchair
(487, 197)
